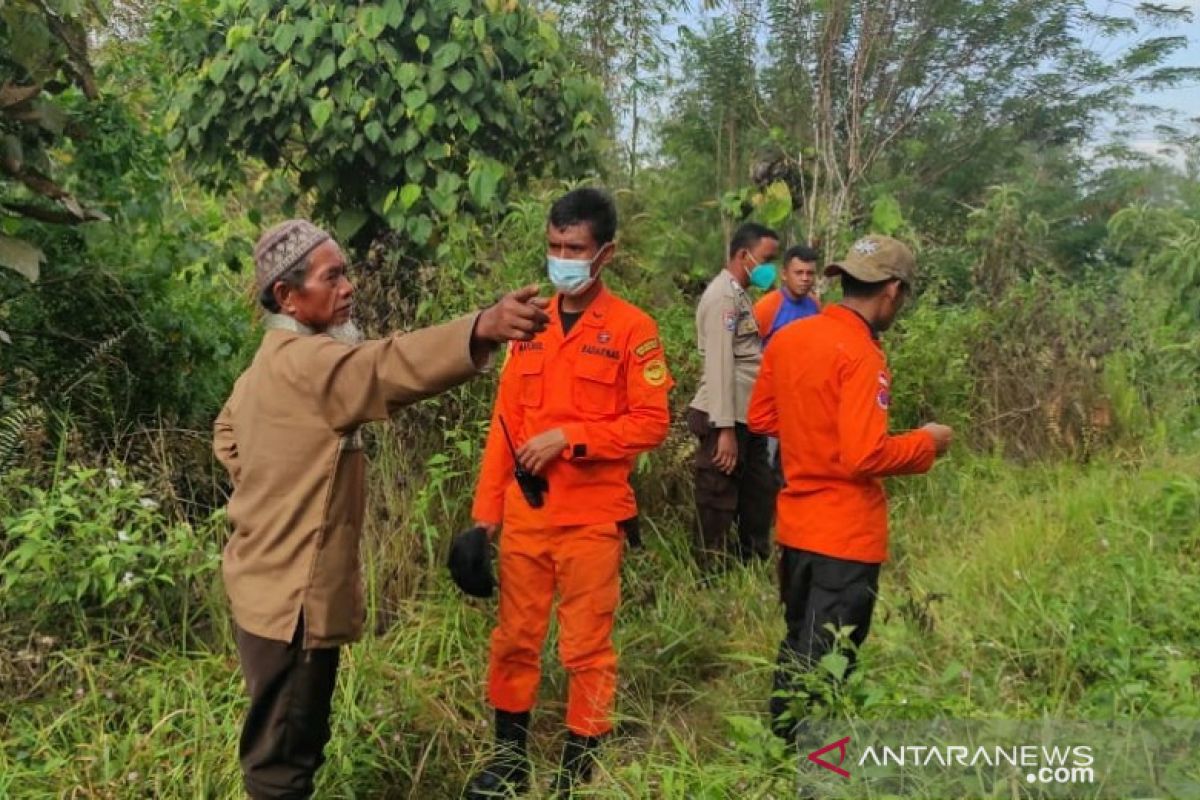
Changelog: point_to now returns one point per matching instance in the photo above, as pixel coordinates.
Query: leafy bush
(401, 115)
(96, 551)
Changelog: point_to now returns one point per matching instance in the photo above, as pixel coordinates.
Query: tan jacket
(727, 336)
(288, 435)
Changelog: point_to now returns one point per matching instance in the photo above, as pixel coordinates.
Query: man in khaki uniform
(733, 475)
(288, 435)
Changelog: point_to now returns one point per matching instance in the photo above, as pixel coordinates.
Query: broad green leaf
(415, 97)
(417, 22)
(409, 140)
(218, 69)
(419, 228)
(407, 74)
(326, 68)
(394, 12)
(422, 42)
(321, 111)
(373, 131)
(462, 81)
(414, 167)
(349, 222)
(284, 38)
(436, 82)
(21, 257)
(409, 195)
(480, 30)
(427, 117)
(447, 55)
(247, 82)
(483, 181)
(371, 20)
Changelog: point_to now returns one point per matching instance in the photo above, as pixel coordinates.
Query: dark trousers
(817, 591)
(746, 497)
(286, 730)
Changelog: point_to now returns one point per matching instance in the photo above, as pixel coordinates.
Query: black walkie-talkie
(532, 486)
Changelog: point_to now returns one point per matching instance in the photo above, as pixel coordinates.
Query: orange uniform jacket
(605, 384)
(824, 390)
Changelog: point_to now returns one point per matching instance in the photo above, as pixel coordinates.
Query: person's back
(824, 390)
(833, 500)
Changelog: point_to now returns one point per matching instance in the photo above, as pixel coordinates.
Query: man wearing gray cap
(288, 435)
(824, 389)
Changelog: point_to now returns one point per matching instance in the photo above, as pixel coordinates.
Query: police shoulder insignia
(730, 319)
(655, 372)
(646, 348)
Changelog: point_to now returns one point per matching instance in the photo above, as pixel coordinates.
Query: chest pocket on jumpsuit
(595, 387)
(531, 366)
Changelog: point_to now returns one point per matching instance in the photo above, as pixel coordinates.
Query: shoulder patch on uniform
(647, 347)
(884, 398)
(655, 372)
(730, 319)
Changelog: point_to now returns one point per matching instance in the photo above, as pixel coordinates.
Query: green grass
(1014, 592)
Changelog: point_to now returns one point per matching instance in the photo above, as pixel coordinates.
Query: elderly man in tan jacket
(288, 435)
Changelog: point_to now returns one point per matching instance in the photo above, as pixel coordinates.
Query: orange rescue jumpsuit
(605, 384)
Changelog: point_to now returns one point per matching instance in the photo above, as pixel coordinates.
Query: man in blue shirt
(793, 299)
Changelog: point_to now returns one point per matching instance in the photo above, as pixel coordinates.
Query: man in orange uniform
(824, 390)
(581, 401)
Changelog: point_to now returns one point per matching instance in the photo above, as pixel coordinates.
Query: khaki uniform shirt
(288, 435)
(727, 336)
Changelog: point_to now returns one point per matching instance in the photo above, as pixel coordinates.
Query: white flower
(123, 535)
(114, 482)
(146, 502)
(127, 579)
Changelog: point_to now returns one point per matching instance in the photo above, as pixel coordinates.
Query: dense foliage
(144, 145)
(400, 115)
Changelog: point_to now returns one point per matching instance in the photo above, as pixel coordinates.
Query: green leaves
(435, 98)
(349, 222)
(447, 55)
(284, 38)
(326, 68)
(407, 74)
(886, 217)
(409, 195)
(462, 81)
(321, 111)
(415, 97)
(484, 180)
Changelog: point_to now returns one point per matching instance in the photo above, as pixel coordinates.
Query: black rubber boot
(575, 769)
(507, 773)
